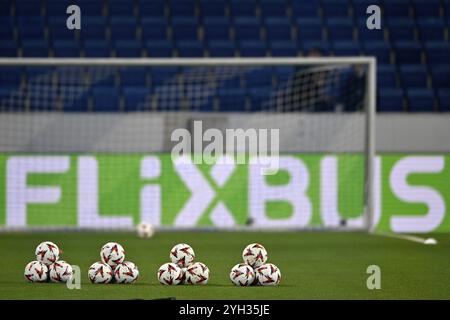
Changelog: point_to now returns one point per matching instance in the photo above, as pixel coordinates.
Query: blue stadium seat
(402, 29)
(58, 30)
(153, 8)
(444, 100)
(133, 77)
(335, 8)
(6, 92)
(309, 29)
(123, 28)
(414, 76)
(154, 28)
(105, 99)
(421, 100)
(11, 76)
(120, 8)
(252, 48)
(346, 48)
(217, 28)
(259, 98)
(66, 48)
(28, 8)
(35, 48)
(243, 8)
(431, 29)
(386, 77)
(427, 8)
(161, 75)
(283, 74)
(340, 29)
(6, 8)
(31, 27)
(247, 28)
(321, 45)
(184, 28)
(365, 34)
(441, 76)
(273, 8)
(360, 7)
(94, 27)
(97, 48)
(213, 8)
(7, 29)
(221, 48)
(447, 8)
(278, 29)
(159, 48)
(437, 52)
(390, 100)
(128, 48)
(135, 97)
(306, 9)
(407, 52)
(8, 49)
(397, 9)
(190, 48)
(283, 48)
(182, 8)
(80, 103)
(261, 77)
(379, 49)
(56, 8)
(90, 8)
(232, 99)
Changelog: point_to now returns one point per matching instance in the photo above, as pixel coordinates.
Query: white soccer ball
(170, 274)
(197, 273)
(100, 272)
(145, 230)
(60, 271)
(268, 275)
(126, 272)
(36, 271)
(254, 255)
(47, 252)
(182, 254)
(242, 275)
(112, 254)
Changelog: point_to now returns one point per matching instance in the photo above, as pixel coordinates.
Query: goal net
(265, 143)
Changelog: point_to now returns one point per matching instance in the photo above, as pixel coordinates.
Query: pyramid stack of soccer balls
(47, 266)
(255, 270)
(183, 269)
(113, 267)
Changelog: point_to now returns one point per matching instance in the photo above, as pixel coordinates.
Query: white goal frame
(371, 93)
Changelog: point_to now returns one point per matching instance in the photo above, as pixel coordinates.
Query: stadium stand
(412, 49)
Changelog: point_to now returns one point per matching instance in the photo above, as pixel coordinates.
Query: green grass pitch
(313, 265)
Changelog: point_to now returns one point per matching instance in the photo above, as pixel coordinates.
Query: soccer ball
(60, 271)
(100, 272)
(170, 274)
(126, 272)
(197, 273)
(242, 275)
(112, 254)
(268, 275)
(47, 252)
(182, 254)
(254, 255)
(145, 230)
(36, 271)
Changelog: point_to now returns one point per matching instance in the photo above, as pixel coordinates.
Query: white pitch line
(406, 237)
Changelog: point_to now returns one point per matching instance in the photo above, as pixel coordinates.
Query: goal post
(88, 143)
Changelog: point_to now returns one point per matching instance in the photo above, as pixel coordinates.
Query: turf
(313, 266)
